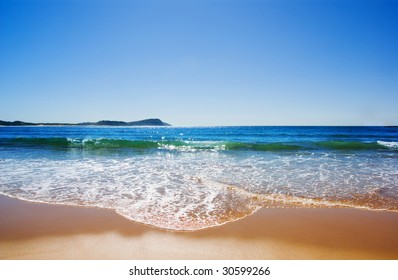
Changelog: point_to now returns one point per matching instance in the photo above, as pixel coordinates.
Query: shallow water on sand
(193, 178)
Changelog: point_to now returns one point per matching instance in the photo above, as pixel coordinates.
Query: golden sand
(43, 231)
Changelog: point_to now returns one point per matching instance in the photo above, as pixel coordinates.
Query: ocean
(190, 178)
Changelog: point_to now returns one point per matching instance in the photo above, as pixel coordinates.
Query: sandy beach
(43, 231)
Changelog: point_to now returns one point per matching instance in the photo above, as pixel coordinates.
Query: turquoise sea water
(188, 178)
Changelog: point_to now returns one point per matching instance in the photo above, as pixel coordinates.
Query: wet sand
(43, 231)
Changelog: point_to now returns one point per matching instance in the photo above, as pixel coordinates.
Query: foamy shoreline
(44, 231)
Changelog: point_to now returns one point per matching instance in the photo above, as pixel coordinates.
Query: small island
(146, 122)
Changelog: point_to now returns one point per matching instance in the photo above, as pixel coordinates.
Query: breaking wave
(108, 144)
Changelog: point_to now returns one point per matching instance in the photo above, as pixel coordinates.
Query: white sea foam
(188, 191)
(391, 145)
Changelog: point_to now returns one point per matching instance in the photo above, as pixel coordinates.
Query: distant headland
(146, 122)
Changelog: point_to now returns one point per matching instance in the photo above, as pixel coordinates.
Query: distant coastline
(146, 122)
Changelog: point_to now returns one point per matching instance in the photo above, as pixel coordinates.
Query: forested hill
(146, 122)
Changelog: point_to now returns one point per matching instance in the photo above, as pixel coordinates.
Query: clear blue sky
(200, 62)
